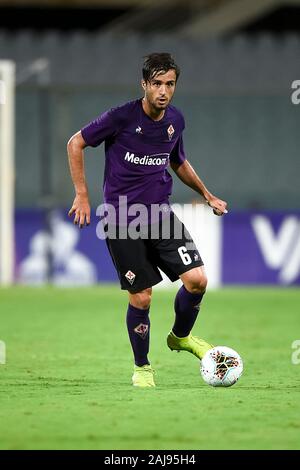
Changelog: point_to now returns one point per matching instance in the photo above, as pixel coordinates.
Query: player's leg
(178, 257)
(188, 299)
(187, 305)
(137, 274)
(138, 325)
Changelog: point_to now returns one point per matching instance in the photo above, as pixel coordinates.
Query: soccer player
(142, 139)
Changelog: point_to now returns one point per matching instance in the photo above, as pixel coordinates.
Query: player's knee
(197, 284)
(141, 299)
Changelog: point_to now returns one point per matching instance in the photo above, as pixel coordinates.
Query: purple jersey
(138, 152)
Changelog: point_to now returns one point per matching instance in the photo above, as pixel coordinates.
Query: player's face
(160, 89)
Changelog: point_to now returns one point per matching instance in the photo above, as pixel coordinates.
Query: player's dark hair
(159, 62)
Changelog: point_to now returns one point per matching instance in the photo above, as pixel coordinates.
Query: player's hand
(218, 206)
(81, 209)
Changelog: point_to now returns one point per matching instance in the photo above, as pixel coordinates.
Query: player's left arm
(188, 176)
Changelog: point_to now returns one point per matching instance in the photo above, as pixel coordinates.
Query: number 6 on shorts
(186, 259)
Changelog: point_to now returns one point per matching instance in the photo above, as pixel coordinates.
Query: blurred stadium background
(238, 59)
(63, 62)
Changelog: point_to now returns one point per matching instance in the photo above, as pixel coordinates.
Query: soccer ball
(221, 366)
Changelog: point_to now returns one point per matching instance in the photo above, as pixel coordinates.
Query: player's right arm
(81, 205)
(93, 134)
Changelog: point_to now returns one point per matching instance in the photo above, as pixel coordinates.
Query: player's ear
(143, 84)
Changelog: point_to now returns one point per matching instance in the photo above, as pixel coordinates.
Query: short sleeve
(102, 128)
(177, 154)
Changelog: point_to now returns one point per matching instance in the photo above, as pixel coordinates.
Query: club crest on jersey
(130, 276)
(141, 330)
(170, 131)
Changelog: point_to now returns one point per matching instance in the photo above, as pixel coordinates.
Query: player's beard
(156, 104)
(160, 104)
(163, 104)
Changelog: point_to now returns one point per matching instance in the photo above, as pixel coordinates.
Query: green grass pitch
(66, 383)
